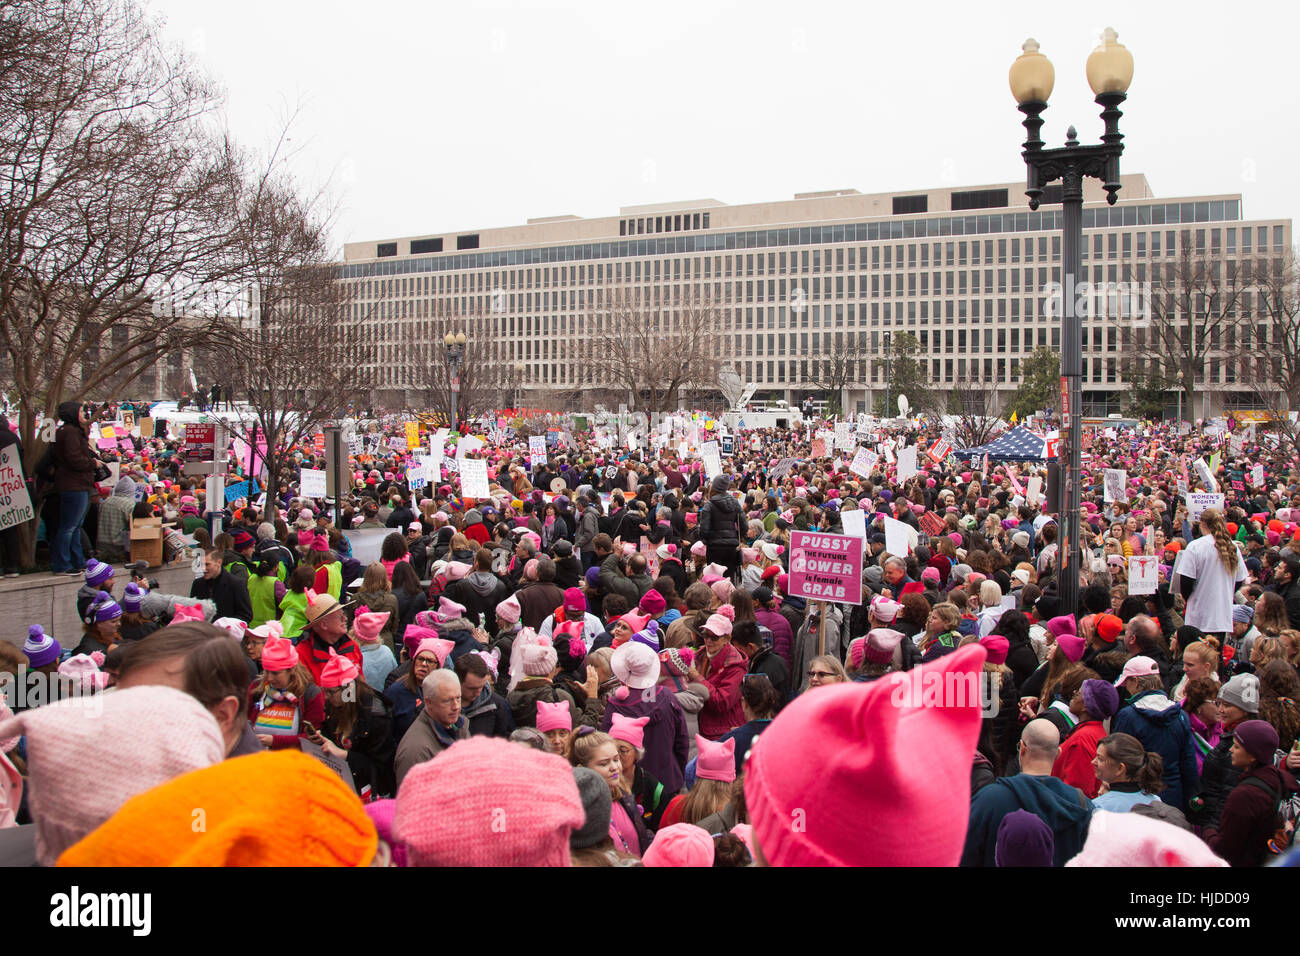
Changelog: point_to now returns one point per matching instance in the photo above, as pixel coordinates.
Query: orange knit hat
(269, 809)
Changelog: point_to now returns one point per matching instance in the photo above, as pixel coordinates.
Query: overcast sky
(434, 117)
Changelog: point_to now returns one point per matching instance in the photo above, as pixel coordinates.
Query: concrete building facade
(971, 272)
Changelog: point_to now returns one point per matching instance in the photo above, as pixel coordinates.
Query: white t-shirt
(1210, 606)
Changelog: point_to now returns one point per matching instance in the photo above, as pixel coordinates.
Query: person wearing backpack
(1252, 816)
(74, 480)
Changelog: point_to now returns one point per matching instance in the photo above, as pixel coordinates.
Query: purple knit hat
(103, 608)
(40, 648)
(132, 599)
(97, 572)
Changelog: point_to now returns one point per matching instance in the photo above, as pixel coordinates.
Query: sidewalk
(51, 601)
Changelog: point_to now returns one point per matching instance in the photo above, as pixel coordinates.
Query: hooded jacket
(1162, 727)
(461, 633)
(720, 521)
(489, 715)
(1063, 808)
(480, 592)
(666, 745)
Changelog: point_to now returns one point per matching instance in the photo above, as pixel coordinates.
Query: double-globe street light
(1109, 70)
(455, 342)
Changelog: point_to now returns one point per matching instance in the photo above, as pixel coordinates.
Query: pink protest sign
(826, 567)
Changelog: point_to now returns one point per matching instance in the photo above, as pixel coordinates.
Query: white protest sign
(536, 450)
(1116, 485)
(712, 458)
(1203, 472)
(466, 445)
(844, 436)
(900, 537)
(863, 462)
(855, 522)
(312, 483)
(1198, 501)
(473, 478)
(1143, 570)
(15, 502)
(1257, 476)
(906, 464)
(1033, 490)
(417, 476)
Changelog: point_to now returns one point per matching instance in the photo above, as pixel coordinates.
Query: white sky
(440, 116)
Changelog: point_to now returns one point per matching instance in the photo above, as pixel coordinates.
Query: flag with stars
(1016, 444)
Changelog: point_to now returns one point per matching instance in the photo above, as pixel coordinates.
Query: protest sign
(1115, 485)
(855, 522)
(863, 462)
(900, 537)
(473, 478)
(907, 464)
(826, 567)
(312, 483)
(1142, 574)
(412, 436)
(1257, 476)
(1198, 501)
(536, 450)
(819, 448)
(15, 502)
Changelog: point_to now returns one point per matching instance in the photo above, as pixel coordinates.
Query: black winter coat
(721, 521)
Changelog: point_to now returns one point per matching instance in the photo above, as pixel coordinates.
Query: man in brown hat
(327, 629)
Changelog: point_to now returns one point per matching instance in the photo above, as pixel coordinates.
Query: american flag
(1019, 442)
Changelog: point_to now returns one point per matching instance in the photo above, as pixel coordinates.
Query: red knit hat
(843, 761)
(1109, 628)
(449, 810)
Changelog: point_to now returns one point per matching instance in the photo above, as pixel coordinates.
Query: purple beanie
(132, 599)
(1258, 738)
(41, 649)
(1024, 840)
(1101, 698)
(97, 572)
(593, 577)
(103, 608)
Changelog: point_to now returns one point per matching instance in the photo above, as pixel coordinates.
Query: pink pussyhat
(846, 755)
(448, 609)
(439, 646)
(338, 671)
(698, 549)
(1130, 839)
(682, 844)
(192, 612)
(368, 624)
(629, 729)
(555, 716)
(716, 761)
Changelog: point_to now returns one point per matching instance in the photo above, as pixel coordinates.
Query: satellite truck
(763, 415)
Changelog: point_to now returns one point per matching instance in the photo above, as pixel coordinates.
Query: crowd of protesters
(609, 651)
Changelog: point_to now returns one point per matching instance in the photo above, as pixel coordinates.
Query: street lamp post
(1180, 402)
(455, 342)
(1109, 70)
(889, 358)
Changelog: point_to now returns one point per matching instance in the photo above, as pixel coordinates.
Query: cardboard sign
(473, 478)
(907, 464)
(826, 567)
(1198, 501)
(900, 537)
(412, 436)
(15, 502)
(311, 483)
(855, 522)
(1115, 487)
(864, 462)
(1143, 574)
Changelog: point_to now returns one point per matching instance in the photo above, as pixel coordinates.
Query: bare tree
(485, 384)
(299, 355)
(843, 361)
(112, 196)
(976, 406)
(652, 348)
(1193, 311)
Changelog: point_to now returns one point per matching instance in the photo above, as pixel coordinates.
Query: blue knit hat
(97, 572)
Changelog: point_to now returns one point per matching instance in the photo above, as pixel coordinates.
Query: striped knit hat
(132, 599)
(40, 648)
(97, 572)
(103, 608)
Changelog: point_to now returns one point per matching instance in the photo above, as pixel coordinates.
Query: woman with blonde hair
(598, 751)
(1266, 649)
(1200, 659)
(1210, 571)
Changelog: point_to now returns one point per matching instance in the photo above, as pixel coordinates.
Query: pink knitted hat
(509, 610)
(722, 590)
(141, 737)
(879, 645)
(448, 609)
(191, 612)
(682, 844)
(1130, 839)
(440, 647)
(997, 648)
(846, 756)
(278, 654)
(555, 716)
(1072, 646)
(885, 610)
(337, 671)
(1064, 624)
(368, 624)
(698, 549)
(629, 729)
(450, 810)
(381, 814)
(456, 570)
(539, 660)
(716, 761)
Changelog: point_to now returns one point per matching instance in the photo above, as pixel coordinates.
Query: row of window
(1045, 220)
(673, 222)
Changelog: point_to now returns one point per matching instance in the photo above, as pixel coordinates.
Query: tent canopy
(1016, 444)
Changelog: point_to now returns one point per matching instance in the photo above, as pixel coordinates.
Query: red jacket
(721, 712)
(1074, 762)
(314, 654)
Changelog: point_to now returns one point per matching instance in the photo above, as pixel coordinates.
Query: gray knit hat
(596, 803)
(1242, 691)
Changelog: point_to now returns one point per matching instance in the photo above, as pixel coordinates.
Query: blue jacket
(1163, 728)
(1063, 808)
